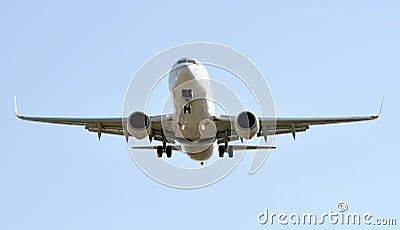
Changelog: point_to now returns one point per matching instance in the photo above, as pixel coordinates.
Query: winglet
(380, 110)
(16, 108)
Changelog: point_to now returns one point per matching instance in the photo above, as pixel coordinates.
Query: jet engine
(246, 124)
(138, 125)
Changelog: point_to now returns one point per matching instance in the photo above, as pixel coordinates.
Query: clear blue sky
(76, 58)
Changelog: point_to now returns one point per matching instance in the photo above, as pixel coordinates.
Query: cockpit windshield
(187, 60)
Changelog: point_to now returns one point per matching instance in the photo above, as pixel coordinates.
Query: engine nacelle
(138, 125)
(247, 124)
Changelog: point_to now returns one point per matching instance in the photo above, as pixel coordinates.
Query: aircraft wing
(294, 125)
(162, 125)
(276, 126)
(109, 125)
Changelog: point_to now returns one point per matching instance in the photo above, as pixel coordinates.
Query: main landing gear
(167, 149)
(222, 149)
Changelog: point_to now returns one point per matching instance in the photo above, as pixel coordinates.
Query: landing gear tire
(159, 151)
(221, 151)
(230, 151)
(168, 151)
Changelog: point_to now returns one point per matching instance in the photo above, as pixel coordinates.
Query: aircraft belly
(200, 152)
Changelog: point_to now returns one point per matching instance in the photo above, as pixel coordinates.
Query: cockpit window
(191, 61)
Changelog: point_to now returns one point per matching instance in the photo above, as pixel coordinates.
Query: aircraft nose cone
(184, 74)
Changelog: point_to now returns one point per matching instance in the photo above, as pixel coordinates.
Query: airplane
(194, 128)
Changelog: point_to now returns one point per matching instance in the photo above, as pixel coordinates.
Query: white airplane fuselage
(189, 84)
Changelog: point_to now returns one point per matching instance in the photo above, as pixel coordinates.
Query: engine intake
(138, 125)
(247, 124)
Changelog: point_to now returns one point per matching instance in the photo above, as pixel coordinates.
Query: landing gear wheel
(168, 151)
(221, 151)
(230, 151)
(159, 151)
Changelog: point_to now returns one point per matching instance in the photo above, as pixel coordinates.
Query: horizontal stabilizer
(150, 147)
(251, 147)
(235, 147)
